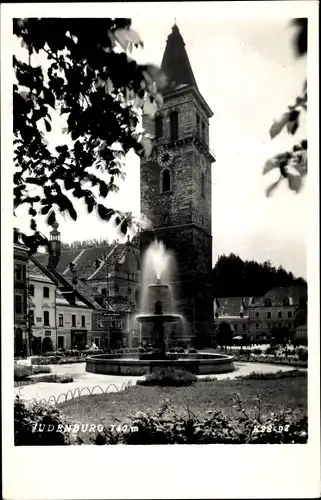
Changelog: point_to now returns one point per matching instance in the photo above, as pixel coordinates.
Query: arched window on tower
(198, 125)
(166, 181)
(203, 131)
(158, 127)
(203, 184)
(173, 118)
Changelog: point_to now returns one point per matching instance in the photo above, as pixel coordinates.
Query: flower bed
(270, 359)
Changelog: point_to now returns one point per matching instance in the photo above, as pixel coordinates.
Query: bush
(271, 350)
(28, 418)
(141, 349)
(257, 351)
(192, 349)
(55, 378)
(302, 353)
(22, 372)
(277, 375)
(169, 377)
(41, 369)
(166, 427)
(52, 353)
(245, 351)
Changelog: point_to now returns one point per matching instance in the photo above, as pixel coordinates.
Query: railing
(78, 392)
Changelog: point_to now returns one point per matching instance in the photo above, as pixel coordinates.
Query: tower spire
(175, 63)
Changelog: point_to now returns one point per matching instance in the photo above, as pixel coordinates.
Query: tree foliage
(292, 164)
(89, 79)
(224, 334)
(233, 277)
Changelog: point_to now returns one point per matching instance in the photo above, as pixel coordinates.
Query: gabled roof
(277, 295)
(231, 306)
(37, 274)
(84, 260)
(175, 63)
(82, 293)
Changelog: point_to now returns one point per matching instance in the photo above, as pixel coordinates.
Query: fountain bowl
(153, 318)
(200, 364)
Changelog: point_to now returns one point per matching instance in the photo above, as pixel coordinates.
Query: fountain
(157, 313)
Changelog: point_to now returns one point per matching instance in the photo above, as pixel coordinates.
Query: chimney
(55, 246)
(73, 270)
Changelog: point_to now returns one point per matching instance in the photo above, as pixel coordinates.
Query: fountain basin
(203, 364)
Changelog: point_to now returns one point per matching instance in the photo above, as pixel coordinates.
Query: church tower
(176, 188)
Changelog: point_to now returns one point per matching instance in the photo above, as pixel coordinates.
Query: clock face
(165, 158)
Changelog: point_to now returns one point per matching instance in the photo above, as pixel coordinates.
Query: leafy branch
(92, 82)
(292, 164)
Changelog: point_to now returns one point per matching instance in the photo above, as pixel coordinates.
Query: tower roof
(175, 61)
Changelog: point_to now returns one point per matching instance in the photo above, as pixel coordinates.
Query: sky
(247, 72)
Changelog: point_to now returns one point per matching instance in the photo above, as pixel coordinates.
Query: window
(18, 272)
(257, 314)
(158, 127)
(18, 304)
(96, 341)
(61, 320)
(257, 326)
(216, 315)
(279, 314)
(165, 180)
(268, 326)
(279, 325)
(235, 327)
(31, 317)
(203, 131)
(46, 321)
(203, 184)
(61, 342)
(83, 321)
(116, 287)
(31, 290)
(173, 119)
(285, 301)
(269, 314)
(244, 327)
(289, 314)
(198, 125)
(73, 320)
(104, 291)
(46, 292)
(267, 302)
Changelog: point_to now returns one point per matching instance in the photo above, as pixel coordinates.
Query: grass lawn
(113, 408)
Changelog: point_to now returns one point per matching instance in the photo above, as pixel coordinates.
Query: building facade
(176, 189)
(275, 310)
(21, 340)
(258, 317)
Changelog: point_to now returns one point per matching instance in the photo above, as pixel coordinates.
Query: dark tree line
(234, 277)
(79, 245)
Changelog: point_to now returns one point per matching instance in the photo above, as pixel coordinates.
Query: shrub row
(272, 360)
(167, 377)
(39, 424)
(277, 375)
(24, 372)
